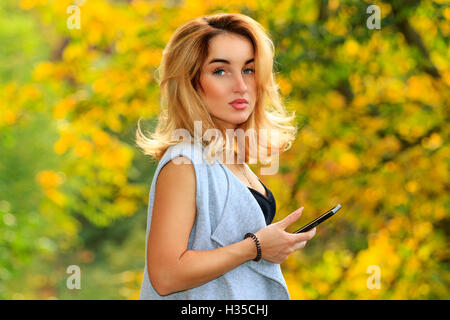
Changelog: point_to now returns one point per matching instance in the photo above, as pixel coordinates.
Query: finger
(290, 219)
(304, 236)
(300, 245)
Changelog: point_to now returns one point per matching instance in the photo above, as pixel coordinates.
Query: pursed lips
(239, 101)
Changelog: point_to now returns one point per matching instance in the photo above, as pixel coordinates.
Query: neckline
(246, 187)
(267, 190)
(239, 180)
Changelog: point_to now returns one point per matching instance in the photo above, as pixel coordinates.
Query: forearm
(196, 267)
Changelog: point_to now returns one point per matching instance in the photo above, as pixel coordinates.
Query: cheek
(213, 89)
(253, 85)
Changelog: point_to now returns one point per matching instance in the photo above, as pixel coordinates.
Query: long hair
(182, 105)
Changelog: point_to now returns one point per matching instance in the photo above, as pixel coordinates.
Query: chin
(240, 121)
(237, 120)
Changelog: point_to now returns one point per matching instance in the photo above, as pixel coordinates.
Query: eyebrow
(228, 62)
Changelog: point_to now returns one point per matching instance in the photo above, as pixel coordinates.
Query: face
(229, 74)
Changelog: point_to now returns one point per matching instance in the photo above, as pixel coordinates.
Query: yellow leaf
(43, 71)
(351, 47)
(83, 149)
(49, 179)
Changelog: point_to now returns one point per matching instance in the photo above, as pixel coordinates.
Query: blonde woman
(209, 231)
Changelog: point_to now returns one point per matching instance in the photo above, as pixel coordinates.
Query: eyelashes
(217, 70)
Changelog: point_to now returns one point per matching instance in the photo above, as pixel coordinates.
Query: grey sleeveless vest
(226, 211)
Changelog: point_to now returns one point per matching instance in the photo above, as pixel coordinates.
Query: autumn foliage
(372, 109)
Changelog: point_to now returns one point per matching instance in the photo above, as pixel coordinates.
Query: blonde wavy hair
(182, 104)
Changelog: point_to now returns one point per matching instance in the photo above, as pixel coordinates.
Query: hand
(277, 244)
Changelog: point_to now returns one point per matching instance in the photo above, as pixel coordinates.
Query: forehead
(232, 47)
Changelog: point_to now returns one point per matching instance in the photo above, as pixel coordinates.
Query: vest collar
(243, 214)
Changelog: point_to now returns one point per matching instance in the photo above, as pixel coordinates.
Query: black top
(268, 205)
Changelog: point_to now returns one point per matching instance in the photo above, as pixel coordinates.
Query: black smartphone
(319, 220)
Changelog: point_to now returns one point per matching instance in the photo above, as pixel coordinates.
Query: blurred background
(372, 109)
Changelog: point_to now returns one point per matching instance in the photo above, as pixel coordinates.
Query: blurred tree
(372, 110)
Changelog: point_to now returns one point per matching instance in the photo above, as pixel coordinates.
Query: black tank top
(268, 205)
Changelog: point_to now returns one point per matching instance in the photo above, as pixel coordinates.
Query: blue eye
(217, 70)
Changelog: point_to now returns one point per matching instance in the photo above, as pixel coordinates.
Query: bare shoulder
(176, 182)
(175, 201)
(178, 169)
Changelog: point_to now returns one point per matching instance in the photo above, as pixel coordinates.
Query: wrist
(257, 245)
(250, 249)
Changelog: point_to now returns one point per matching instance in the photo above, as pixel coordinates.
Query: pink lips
(239, 104)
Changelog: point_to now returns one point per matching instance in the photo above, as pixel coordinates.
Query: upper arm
(174, 211)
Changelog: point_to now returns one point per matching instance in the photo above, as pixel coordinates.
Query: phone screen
(319, 220)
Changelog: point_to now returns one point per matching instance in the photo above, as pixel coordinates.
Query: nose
(239, 84)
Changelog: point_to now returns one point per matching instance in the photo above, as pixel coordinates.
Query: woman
(209, 231)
